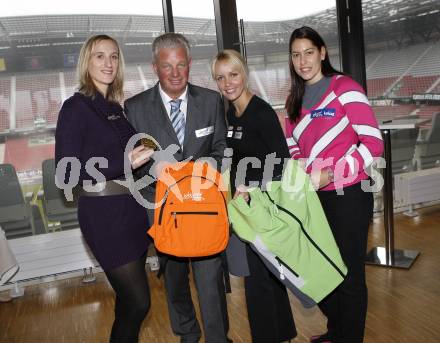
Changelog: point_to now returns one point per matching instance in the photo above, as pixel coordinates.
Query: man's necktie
(178, 120)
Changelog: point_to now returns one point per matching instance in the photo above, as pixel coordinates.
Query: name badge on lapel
(113, 116)
(238, 135)
(230, 131)
(205, 131)
(325, 112)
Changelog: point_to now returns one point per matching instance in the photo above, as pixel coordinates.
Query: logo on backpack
(193, 196)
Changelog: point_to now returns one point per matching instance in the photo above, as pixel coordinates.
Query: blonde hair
(115, 91)
(234, 58)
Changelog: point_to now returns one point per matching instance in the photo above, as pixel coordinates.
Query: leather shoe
(325, 338)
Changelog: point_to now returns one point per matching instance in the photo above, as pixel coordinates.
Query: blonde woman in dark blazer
(92, 124)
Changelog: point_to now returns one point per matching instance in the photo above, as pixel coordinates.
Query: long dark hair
(294, 100)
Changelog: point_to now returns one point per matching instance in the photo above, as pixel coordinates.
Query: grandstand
(402, 58)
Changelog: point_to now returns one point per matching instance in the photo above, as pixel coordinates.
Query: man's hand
(321, 178)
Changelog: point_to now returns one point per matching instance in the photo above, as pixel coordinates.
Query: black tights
(132, 300)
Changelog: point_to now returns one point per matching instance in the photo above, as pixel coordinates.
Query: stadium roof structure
(396, 21)
(393, 21)
(23, 29)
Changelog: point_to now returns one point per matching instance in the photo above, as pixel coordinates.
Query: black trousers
(208, 278)
(268, 306)
(349, 216)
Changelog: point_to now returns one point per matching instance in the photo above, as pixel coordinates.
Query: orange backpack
(192, 220)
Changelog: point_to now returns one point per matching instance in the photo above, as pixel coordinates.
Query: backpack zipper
(281, 264)
(163, 207)
(307, 235)
(207, 213)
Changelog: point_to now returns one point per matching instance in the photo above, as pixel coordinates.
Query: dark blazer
(114, 226)
(147, 113)
(83, 131)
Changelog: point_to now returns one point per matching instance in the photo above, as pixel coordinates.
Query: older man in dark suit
(192, 118)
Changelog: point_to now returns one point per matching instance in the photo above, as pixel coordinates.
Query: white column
(259, 83)
(142, 77)
(62, 86)
(12, 103)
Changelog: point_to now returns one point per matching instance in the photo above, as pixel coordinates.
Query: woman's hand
(321, 178)
(139, 156)
(242, 191)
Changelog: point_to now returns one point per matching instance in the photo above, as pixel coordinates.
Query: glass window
(38, 54)
(199, 27)
(267, 30)
(403, 73)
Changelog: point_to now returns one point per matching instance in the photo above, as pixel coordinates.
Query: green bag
(287, 226)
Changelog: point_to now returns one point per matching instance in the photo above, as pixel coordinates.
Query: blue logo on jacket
(325, 112)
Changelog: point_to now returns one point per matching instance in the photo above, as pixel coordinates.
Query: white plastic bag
(8, 264)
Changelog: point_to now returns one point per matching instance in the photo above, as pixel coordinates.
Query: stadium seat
(14, 212)
(59, 212)
(428, 150)
(413, 84)
(403, 146)
(403, 143)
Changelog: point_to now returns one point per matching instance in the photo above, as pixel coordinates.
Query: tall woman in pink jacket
(332, 129)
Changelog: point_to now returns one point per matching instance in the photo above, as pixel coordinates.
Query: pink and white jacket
(339, 132)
